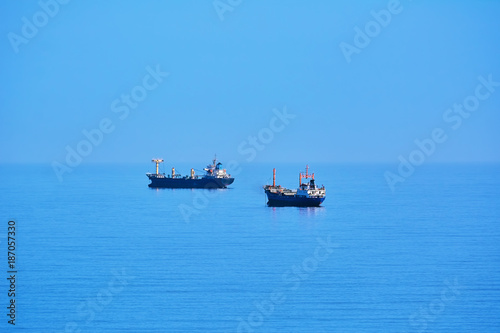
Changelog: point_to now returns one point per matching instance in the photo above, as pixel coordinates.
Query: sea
(100, 251)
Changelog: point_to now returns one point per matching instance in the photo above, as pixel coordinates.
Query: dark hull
(277, 200)
(190, 183)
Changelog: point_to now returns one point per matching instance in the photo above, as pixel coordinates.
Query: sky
(264, 81)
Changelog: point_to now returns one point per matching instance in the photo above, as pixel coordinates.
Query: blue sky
(225, 78)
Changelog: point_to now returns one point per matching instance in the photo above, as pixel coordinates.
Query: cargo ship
(308, 194)
(214, 177)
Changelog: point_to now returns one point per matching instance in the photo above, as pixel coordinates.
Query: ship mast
(306, 175)
(274, 177)
(157, 161)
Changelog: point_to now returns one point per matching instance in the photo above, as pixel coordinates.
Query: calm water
(101, 252)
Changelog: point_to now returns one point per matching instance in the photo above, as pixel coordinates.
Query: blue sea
(102, 252)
